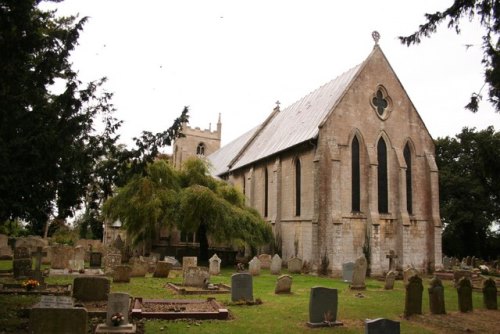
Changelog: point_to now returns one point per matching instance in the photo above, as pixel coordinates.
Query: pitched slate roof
(291, 126)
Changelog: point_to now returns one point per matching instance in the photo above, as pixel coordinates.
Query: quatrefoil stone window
(381, 102)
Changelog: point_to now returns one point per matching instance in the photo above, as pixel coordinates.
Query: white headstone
(254, 266)
(214, 265)
(276, 265)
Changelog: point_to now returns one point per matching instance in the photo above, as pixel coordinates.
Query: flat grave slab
(67, 272)
(42, 289)
(178, 309)
(217, 288)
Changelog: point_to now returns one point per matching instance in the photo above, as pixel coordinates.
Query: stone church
(347, 170)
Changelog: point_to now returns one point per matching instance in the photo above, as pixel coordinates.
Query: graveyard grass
(277, 313)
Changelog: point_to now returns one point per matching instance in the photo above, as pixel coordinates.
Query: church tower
(196, 142)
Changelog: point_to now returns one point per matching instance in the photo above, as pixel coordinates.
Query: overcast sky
(238, 58)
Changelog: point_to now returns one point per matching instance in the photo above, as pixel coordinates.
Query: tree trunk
(203, 240)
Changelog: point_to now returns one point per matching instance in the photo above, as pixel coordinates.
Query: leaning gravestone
(254, 266)
(214, 265)
(359, 274)
(323, 304)
(162, 269)
(295, 265)
(283, 284)
(265, 261)
(121, 274)
(413, 298)
(382, 326)
(196, 276)
(118, 304)
(21, 265)
(490, 294)
(91, 288)
(57, 315)
(464, 290)
(241, 287)
(436, 297)
(347, 271)
(276, 264)
(189, 261)
(389, 280)
(408, 273)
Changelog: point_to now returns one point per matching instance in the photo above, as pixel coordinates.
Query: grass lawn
(278, 313)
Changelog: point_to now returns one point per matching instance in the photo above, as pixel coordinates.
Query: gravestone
(347, 271)
(283, 284)
(265, 261)
(323, 304)
(490, 294)
(5, 250)
(392, 262)
(447, 264)
(389, 280)
(118, 303)
(413, 297)
(464, 290)
(121, 274)
(57, 315)
(79, 253)
(91, 288)
(139, 268)
(162, 269)
(61, 254)
(408, 273)
(359, 274)
(382, 326)
(112, 257)
(295, 265)
(189, 261)
(276, 264)
(95, 259)
(196, 276)
(436, 297)
(458, 274)
(173, 261)
(468, 261)
(22, 264)
(76, 265)
(241, 287)
(254, 266)
(37, 273)
(214, 265)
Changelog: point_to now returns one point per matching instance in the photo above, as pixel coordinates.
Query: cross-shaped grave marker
(391, 256)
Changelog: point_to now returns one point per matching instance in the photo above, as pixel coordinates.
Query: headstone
(37, 273)
(413, 298)
(139, 268)
(241, 287)
(408, 273)
(121, 274)
(5, 250)
(254, 267)
(76, 265)
(347, 271)
(22, 264)
(91, 288)
(162, 269)
(57, 315)
(382, 326)
(468, 261)
(118, 305)
(447, 264)
(295, 265)
(323, 305)
(172, 260)
(214, 265)
(359, 274)
(490, 294)
(276, 264)
(196, 276)
(95, 259)
(392, 256)
(112, 257)
(61, 254)
(436, 297)
(189, 261)
(283, 284)
(464, 290)
(265, 261)
(79, 253)
(458, 274)
(389, 280)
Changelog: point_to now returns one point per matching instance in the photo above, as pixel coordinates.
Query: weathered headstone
(389, 280)
(95, 260)
(91, 288)
(5, 250)
(196, 276)
(61, 254)
(79, 253)
(214, 265)
(458, 274)
(139, 268)
(490, 294)
(323, 306)
(254, 267)
(241, 287)
(382, 326)
(392, 262)
(413, 297)
(347, 271)
(464, 290)
(57, 315)
(436, 297)
(162, 269)
(283, 284)
(121, 274)
(265, 261)
(173, 261)
(189, 261)
(118, 305)
(447, 265)
(76, 265)
(112, 257)
(408, 273)
(22, 264)
(359, 274)
(37, 273)
(295, 265)
(276, 264)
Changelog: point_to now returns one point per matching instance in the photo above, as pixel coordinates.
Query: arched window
(355, 176)
(297, 187)
(200, 149)
(266, 192)
(409, 190)
(383, 196)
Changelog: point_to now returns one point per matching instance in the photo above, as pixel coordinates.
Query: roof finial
(277, 105)
(376, 36)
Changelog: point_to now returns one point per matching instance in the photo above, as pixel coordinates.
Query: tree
(470, 192)
(488, 13)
